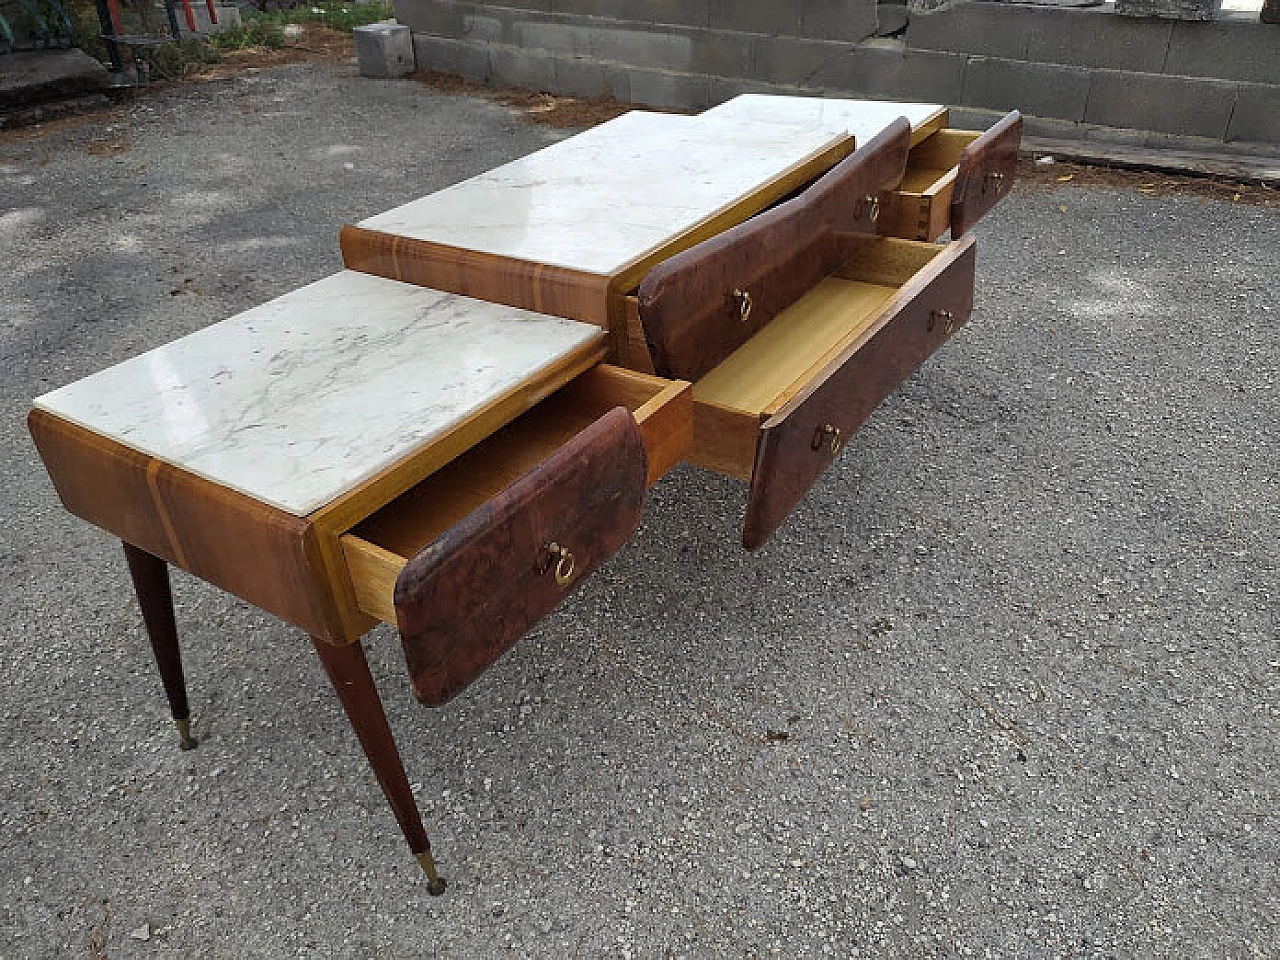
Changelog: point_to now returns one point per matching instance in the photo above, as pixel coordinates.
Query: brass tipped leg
(435, 882)
(185, 740)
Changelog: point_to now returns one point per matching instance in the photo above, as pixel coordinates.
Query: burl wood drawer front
(798, 442)
(466, 598)
(469, 558)
(953, 178)
(699, 306)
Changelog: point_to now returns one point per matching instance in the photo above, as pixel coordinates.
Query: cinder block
(661, 88)
(1094, 38)
(1185, 106)
(1257, 113)
(582, 77)
(575, 40)
(771, 17)
(514, 67)
(795, 60)
(691, 13)
(984, 29)
(1232, 50)
(839, 19)
(884, 68)
(466, 59)
(1040, 89)
(681, 49)
(228, 19)
(384, 50)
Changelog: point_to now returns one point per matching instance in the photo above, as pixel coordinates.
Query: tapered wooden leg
(348, 671)
(151, 583)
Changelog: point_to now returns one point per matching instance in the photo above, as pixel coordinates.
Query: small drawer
(778, 410)
(468, 560)
(953, 178)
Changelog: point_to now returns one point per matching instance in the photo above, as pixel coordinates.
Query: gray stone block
(514, 67)
(985, 29)
(581, 77)
(887, 69)
(892, 18)
(681, 49)
(839, 19)
(384, 50)
(691, 13)
(661, 88)
(795, 60)
(1257, 113)
(1169, 9)
(1232, 50)
(1041, 89)
(466, 59)
(554, 36)
(756, 16)
(1180, 105)
(1093, 38)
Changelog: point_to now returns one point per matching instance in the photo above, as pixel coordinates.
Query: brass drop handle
(946, 316)
(563, 560)
(997, 178)
(744, 304)
(875, 208)
(828, 436)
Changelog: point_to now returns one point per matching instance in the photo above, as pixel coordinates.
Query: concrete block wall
(1087, 68)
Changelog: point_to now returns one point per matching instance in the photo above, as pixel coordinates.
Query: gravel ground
(1005, 686)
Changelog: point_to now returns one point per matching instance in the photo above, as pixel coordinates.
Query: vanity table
(453, 433)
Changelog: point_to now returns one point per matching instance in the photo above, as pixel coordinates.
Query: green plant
(252, 32)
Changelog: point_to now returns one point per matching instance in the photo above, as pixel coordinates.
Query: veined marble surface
(863, 119)
(299, 400)
(603, 199)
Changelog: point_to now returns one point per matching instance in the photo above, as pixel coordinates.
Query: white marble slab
(299, 400)
(603, 199)
(863, 119)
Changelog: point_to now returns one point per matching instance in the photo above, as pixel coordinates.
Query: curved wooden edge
(557, 291)
(698, 307)
(986, 172)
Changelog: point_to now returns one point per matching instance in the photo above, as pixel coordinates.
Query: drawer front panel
(467, 597)
(702, 304)
(986, 172)
(798, 443)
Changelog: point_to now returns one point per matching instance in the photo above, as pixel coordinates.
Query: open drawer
(780, 407)
(953, 178)
(468, 560)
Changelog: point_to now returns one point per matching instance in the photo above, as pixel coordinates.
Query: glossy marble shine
(862, 119)
(601, 200)
(299, 400)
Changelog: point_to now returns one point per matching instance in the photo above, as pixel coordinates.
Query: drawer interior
(931, 164)
(735, 397)
(377, 548)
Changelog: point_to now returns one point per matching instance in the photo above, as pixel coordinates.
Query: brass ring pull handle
(744, 304)
(828, 436)
(946, 316)
(564, 563)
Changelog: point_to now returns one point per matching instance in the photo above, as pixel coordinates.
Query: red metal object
(114, 9)
(213, 11)
(191, 15)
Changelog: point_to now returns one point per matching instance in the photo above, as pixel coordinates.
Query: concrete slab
(1257, 113)
(1040, 89)
(1192, 107)
(36, 76)
(1231, 50)
(839, 19)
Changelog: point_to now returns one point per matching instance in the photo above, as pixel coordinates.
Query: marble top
(299, 400)
(603, 199)
(863, 119)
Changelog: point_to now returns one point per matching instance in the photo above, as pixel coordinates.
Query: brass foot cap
(185, 740)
